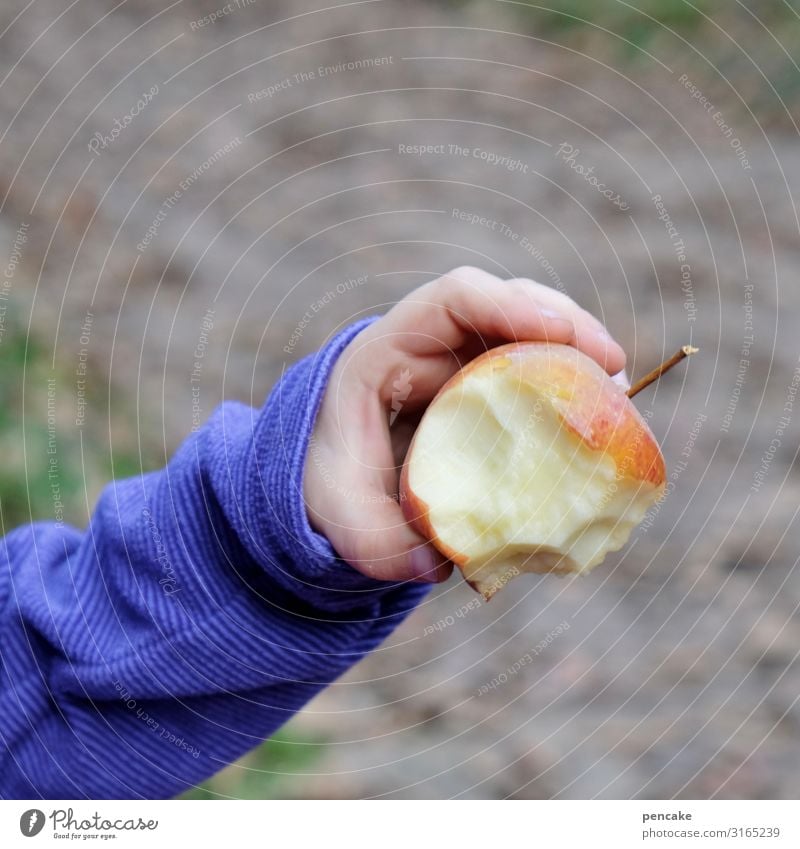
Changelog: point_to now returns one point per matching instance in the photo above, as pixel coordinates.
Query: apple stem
(685, 351)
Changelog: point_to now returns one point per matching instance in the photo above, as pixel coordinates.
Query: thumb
(374, 538)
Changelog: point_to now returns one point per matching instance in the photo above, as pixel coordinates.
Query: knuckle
(569, 303)
(524, 284)
(467, 280)
(524, 287)
(532, 286)
(464, 273)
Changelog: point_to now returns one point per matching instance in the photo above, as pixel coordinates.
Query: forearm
(192, 618)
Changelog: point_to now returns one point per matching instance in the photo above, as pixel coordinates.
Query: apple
(530, 459)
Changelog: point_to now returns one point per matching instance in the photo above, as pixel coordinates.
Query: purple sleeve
(192, 618)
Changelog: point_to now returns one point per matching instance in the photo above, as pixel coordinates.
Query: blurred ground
(268, 161)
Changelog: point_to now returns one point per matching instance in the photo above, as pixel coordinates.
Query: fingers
(350, 483)
(591, 336)
(374, 538)
(367, 529)
(468, 302)
(423, 339)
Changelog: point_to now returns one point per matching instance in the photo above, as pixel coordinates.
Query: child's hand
(382, 383)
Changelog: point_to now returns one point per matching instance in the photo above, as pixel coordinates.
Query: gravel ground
(247, 183)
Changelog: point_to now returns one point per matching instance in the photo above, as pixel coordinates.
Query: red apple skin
(588, 402)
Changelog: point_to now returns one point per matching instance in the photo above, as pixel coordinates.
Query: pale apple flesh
(530, 459)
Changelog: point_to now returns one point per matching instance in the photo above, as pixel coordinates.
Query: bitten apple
(530, 459)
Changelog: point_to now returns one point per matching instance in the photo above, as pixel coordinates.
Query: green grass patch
(262, 773)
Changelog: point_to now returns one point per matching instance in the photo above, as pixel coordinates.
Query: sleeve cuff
(301, 560)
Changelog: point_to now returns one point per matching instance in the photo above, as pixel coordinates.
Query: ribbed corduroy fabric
(192, 618)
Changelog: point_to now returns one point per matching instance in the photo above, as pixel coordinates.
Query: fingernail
(424, 564)
(567, 326)
(552, 315)
(621, 379)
